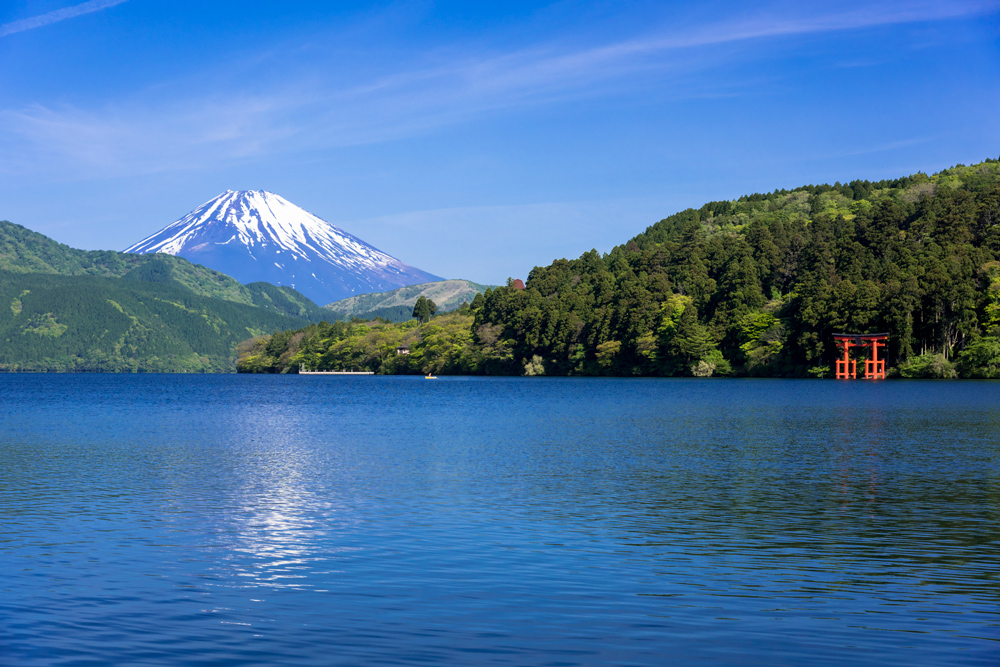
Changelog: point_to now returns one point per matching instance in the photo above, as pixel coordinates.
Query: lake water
(196, 520)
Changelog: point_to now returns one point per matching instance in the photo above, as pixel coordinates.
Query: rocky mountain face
(254, 236)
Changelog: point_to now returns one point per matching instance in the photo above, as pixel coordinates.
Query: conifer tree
(423, 309)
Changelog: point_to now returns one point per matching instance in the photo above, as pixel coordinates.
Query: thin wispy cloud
(769, 26)
(56, 16)
(541, 69)
(328, 110)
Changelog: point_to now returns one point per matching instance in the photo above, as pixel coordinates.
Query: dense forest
(755, 286)
(89, 323)
(63, 309)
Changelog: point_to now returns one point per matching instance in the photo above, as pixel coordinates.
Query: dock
(336, 372)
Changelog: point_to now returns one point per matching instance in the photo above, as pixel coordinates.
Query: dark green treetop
(423, 309)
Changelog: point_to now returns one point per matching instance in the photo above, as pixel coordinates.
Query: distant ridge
(255, 236)
(395, 304)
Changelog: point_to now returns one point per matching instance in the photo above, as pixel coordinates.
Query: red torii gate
(847, 368)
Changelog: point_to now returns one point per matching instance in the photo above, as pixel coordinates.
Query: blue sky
(476, 140)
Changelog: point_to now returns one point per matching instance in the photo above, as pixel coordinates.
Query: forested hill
(754, 286)
(88, 323)
(761, 283)
(63, 309)
(25, 251)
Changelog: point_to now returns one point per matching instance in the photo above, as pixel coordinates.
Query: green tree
(764, 279)
(928, 366)
(981, 359)
(423, 309)
(693, 340)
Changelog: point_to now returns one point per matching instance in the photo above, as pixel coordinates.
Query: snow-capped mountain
(254, 235)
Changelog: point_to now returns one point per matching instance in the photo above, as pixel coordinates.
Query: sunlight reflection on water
(242, 520)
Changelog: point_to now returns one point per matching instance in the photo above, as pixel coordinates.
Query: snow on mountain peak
(257, 217)
(258, 235)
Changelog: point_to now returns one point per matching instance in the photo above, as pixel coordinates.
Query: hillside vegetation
(90, 323)
(753, 286)
(25, 251)
(442, 345)
(63, 309)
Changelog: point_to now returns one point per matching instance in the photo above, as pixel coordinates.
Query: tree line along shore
(751, 287)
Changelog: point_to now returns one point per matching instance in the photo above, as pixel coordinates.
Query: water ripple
(315, 521)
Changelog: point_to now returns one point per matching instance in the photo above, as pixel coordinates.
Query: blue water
(217, 520)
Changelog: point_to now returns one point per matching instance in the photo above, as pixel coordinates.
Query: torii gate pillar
(875, 367)
(847, 368)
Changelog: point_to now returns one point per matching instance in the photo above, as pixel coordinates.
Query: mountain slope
(258, 236)
(446, 294)
(25, 251)
(89, 323)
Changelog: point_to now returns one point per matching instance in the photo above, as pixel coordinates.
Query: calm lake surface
(244, 520)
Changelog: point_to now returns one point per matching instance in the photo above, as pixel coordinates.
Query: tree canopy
(423, 309)
(758, 285)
